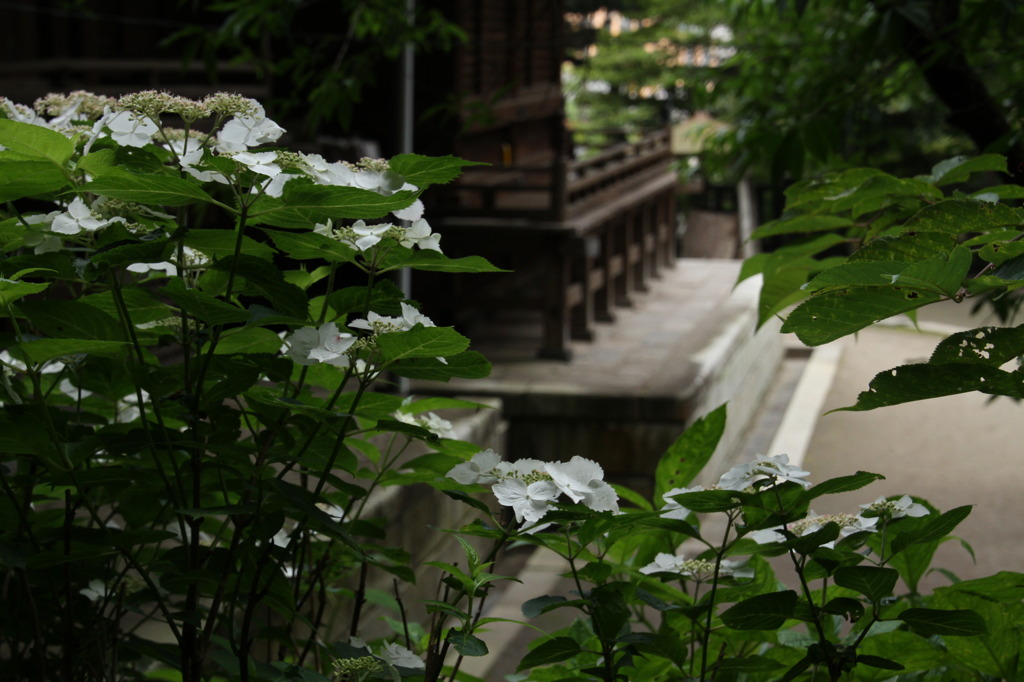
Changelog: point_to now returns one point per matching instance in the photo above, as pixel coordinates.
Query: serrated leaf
(43, 350)
(22, 176)
(162, 190)
(947, 623)
(303, 206)
(688, 454)
(763, 612)
(11, 290)
(311, 246)
(835, 314)
(71, 320)
(248, 340)
(554, 650)
(466, 643)
(908, 383)
(432, 261)
(960, 168)
(38, 141)
(874, 582)
(421, 342)
(538, 605)
(202, 306)
(800, 225)
(423, 171)
(934, 530)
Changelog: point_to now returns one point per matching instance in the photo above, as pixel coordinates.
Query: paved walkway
(952, 451)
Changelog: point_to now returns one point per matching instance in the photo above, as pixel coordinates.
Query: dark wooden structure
(581, 236)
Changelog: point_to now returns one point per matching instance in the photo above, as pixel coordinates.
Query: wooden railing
(582, 237)
(559, 189)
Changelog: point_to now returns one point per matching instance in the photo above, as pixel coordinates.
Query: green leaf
(264, 278)
(42, 350)
(554, 650)
(37, 141)
(960, 168)
(947, 623)
(202, 306)
(303, 206)
(842, 484)
(684, 459)
(12, 290)
(21, 176)
(423, 171)
(433, 261)
(421, 342)
(538, 605)
(466, 643)
(162, 190)
(874, 582)
(908, 383)
(763, 612)
(800, 225)
(835, 314)
(963, 215)
(71, 320)
(466, 365)
(221, 243)
(311, 246)
(248, 340)
(934, 531)
(879, 662)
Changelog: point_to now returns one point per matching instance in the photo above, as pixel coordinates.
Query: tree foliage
(814, 84)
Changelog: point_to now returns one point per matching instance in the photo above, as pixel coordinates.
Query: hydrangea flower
(848, 525)
(698, 570)
(419, 234)
(309, 346)
(79, 217)
(442, 428)
(529, 501)
(529, 486)
(776, 467)
(479, 469)
(582, 480)
(128, 129)
(894, 509)
(248, 130)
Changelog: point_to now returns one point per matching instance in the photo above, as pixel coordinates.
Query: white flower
(129, 129)
(894, 509)
(96, 590)
(275, 186)
(479, 469)
(529, 501)
(442, 428)
(848, 525)
(261, 162)
(776, 467)
(419, 234)
(242, 132)
(128, 409)
(368, 236)
(400, 657)
(674, 510)
(697, 569)
(414, 211)
(383, 324)
(79, 217)
(309, 346)
(582, 480)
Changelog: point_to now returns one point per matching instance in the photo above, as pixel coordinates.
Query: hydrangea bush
(199, 417)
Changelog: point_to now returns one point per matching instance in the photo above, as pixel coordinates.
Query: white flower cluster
(442, 428)
(771, 469)
(241, 125)
(328, 344)
(529, 486)
(697, 570)
(393, 654)
(848, 525)
(363, 237)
